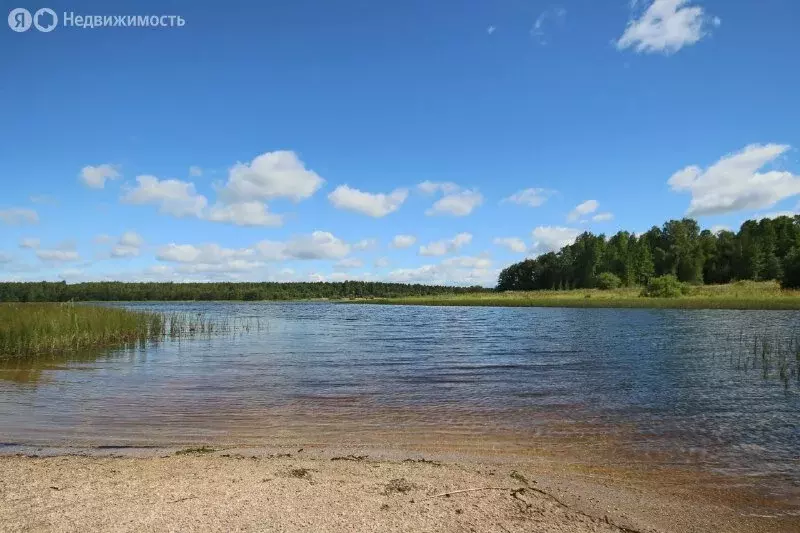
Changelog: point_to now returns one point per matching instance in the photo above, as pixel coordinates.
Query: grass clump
(37, 329)
(200, 450)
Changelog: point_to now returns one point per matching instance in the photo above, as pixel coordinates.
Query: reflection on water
(654, 381)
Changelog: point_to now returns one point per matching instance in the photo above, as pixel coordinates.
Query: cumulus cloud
(603, 217)
(432, 187)
(128, 245)
(195, 171)
(270, 175)
(16, 216)
(374, 205)
(173, 197)
(549, 17)
(403, 241)
(244, 214)
(734, 183)
(95, 177)
(205, 253)
(31, 243)
(452, 271)
(513, 244)
(455, 200)
(666, 26)
(57, 256)
(382, 262)
(552, 238)
(446, 246)
(366, 244)
(318, 245)
(586, 208)
(533, 197)
(457, 204)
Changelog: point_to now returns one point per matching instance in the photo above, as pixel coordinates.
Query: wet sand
(323, 488)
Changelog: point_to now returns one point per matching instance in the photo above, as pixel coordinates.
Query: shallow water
(662, 385)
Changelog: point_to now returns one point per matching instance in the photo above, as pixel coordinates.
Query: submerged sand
(345, 490)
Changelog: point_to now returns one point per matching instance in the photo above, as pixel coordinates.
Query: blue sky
(297, 140)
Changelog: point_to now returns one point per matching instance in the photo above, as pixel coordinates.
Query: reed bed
(29, 330)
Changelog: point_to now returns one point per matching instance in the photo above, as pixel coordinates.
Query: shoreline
(341, 488)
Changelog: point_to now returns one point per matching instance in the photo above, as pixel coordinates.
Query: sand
(343, 490)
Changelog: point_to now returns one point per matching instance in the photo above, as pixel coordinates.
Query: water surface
(659, 384)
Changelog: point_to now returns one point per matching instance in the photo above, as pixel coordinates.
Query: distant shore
(319, 489)
(745, 295)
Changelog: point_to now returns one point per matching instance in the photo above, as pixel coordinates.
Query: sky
(409, 141)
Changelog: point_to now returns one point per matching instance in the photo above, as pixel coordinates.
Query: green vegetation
(761, 250)
(739, 295)
(31, 329)
(118, 291)
(34, 329)
(607, 281)
(772, 357)
(666, 286)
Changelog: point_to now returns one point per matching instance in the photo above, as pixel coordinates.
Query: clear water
(659, 384)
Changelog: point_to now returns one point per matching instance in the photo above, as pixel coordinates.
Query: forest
(118, 291)
(767, 249)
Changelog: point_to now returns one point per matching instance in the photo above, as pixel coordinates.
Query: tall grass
(49, 329)
(34, 329)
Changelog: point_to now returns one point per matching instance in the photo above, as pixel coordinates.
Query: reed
(34, 329)
(28, 330)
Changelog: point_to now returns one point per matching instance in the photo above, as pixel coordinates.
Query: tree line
(119, 291)
(761, 250)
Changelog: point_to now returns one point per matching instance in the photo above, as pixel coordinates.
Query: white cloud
(102, 239)
(30, 243)
(348, 263)
(382, 262)
(532, 197)
(603, 217)
(244, 214)
(366, 244)
(446, 246)
(57, 256)
(5, 258)
(432, 187)
(195, 171)
(453, 271)
(95, 177)
(734, 183)
(403, 241)
(666, 26)
(457, 204)
(374, 205)
(555, 14)
(202, 254)
(128, 245)
(586, 208)
(15, 216)
(318, 245)
(44, 199)
(513, 244)
(173, 197)
(552, 238)
(271, 175)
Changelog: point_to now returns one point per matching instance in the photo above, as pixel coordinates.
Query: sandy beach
(326, 489)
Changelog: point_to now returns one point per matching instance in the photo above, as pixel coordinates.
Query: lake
(662, 387)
